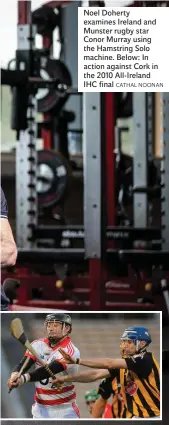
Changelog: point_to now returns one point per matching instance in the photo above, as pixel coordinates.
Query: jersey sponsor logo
(131, 388)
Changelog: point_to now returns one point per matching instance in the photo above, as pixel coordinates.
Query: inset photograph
(81, 365)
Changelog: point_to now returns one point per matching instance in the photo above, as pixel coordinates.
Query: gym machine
(85, 277)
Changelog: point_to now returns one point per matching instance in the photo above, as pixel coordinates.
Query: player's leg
(76, 409)
(71, 412)
(41, 412)
(36, 411)
(60, 412)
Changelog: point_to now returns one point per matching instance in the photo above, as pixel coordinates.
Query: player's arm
(41, 373)
(15, 379)
(93, 363)
(104, 363)
(57, 367)
(83, 377)
(99, 407)
(12, 382)
(8, 246)
(30, 363)
(105, 391)
(38, 374)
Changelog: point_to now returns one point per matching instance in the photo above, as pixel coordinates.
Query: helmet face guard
(62, 318)
(136, 334)
(123, 345)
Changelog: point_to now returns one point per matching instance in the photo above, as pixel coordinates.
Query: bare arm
(99, 407)
(99, 364)
(104, 363)
(88, 376)
(8, 246)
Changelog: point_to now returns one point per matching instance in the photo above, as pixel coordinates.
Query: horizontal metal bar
(19, 78)
(147, 189)
(142, 252)
(75, 130)
(48, 255)
(113, 233)
(133, 257)
(144, 257)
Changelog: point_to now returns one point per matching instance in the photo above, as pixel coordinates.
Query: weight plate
(52, 178)
(52, 68)
(45, 19)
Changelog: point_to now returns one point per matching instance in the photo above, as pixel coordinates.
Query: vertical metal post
(150, 112)
(98, 143)
(46, 133)
(140, 158)
(69, 17)
(165, 171)
(94, 216)
(150, 124)
(26, 161)
(109, 118)
(92, 174)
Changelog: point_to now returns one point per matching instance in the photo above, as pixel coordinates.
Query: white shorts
(69, 410)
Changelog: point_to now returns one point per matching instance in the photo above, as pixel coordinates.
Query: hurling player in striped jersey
(51, 402)
(139, 373)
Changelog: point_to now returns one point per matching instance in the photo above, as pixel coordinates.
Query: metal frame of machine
(165, 170)
(26, 155)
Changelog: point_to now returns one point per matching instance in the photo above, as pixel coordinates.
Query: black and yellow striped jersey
(140, 385)
(108, 388)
